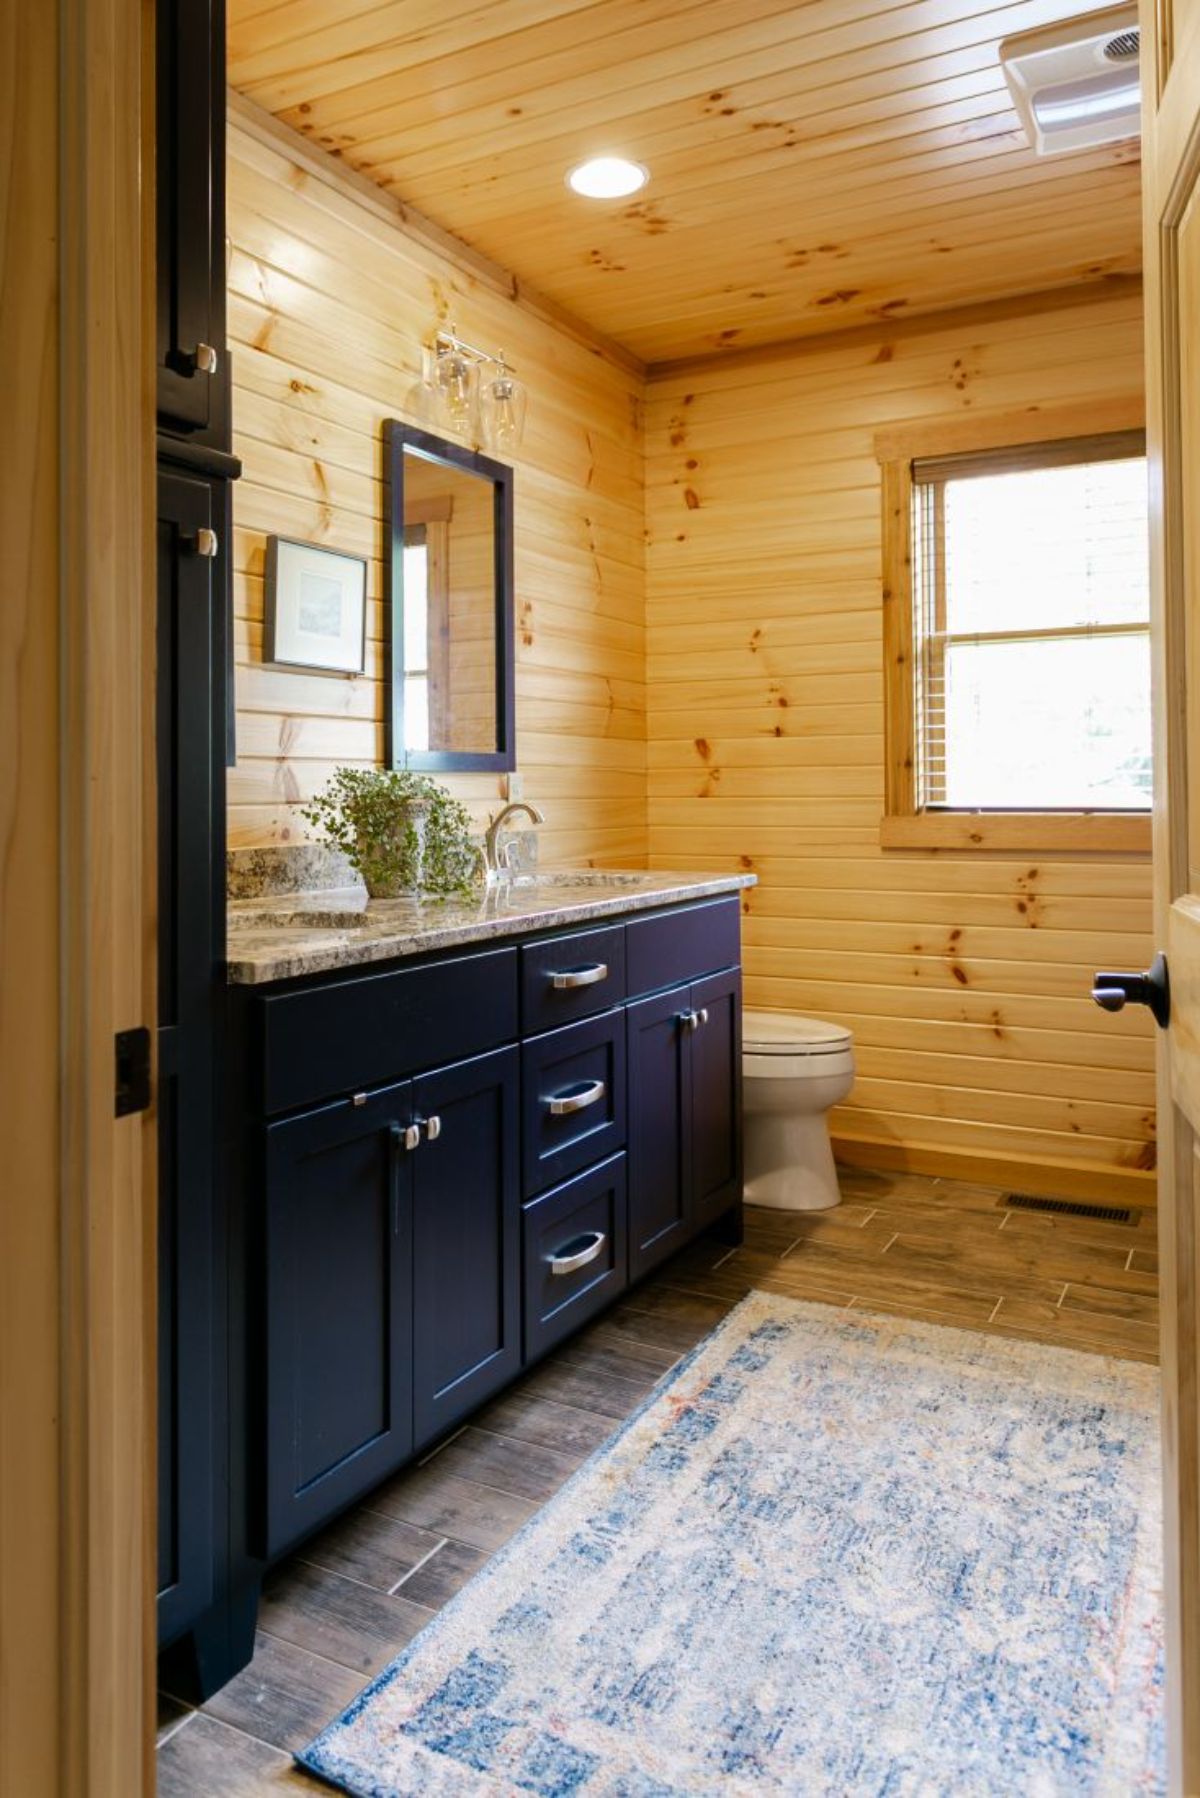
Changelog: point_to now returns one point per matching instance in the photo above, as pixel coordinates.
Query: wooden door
(660, 1127)
(1171, 165)
(466, 1239)
(337, 1414)
(716, 1095)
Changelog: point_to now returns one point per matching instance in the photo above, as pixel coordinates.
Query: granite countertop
(281, 935)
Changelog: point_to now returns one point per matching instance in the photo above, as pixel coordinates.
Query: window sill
(1097, 833)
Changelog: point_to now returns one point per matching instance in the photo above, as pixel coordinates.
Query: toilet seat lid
(785, 1033)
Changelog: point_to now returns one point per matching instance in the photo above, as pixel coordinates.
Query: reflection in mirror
(451, 605)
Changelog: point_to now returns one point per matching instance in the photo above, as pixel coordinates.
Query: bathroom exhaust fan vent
(1075, 85)
(1124, 47)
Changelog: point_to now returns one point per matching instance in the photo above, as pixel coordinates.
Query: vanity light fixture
(474, 391)
(607, 178)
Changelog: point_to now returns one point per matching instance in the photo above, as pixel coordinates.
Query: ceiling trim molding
(263, 126)
(919, 324)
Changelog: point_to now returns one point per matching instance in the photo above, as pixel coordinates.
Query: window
(1019, 646)
(416, 637)
(426, 640)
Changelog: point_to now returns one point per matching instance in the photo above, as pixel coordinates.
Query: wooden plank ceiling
(813, 166)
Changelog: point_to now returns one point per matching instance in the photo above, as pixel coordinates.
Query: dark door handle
(1153, 988)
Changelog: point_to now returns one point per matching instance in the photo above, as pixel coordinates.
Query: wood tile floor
(350, 1599)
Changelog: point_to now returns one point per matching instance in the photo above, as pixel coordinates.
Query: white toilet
(795, 1070)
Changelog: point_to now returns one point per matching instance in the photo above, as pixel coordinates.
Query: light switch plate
(514, 786)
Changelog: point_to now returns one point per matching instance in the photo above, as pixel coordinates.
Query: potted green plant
(403, 832)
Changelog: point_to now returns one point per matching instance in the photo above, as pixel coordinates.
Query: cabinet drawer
(675, 946)
(571, 977)
(574, 1253)
(360, 1033)
(573, 1098)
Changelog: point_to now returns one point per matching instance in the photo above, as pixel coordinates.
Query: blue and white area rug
(833, 1554)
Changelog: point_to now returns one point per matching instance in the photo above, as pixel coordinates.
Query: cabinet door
(716, 1053)
(466, 1238)
(190, 227)
(190, 905)
(338, 1265)
(660, 1128)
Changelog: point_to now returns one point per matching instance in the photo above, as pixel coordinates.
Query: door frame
(77, 924)
(1171, 154)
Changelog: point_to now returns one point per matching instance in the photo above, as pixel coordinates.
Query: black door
(467, 1238)
(190, 791)
(716, 1095)
(192, 370)
(337, 1415)
(660, 1127)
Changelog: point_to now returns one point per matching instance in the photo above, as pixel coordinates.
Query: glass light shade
(502, 407)
(455, 378)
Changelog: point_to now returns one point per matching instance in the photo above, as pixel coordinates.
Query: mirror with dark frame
(449, 572)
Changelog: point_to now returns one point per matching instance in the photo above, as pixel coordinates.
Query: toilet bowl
(795, 1069)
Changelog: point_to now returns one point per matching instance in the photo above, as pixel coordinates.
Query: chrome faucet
(491, 841)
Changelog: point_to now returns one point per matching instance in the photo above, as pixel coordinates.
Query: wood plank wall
(329, 303)
(964, 978)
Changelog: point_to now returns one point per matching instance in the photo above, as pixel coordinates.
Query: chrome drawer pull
(565, 1103)
(566, 1263)
(570, 978)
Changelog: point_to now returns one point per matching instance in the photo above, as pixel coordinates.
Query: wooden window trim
(905, 824)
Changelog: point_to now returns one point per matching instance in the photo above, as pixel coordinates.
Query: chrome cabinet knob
(433, 1128)
(205, 543)
(205, 359)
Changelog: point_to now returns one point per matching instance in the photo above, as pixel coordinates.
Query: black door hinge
(132, 1071)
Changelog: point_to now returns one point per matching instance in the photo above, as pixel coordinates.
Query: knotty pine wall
(330, 300)
(964, 979)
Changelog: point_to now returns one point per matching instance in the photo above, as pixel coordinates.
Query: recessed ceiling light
(607, 178)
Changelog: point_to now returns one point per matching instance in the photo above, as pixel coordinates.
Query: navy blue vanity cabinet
(446, 1164)
(392, 1281)
(338, 1321)
(466, 1208)
(684, 1068)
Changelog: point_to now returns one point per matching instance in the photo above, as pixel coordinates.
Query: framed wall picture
(315, 608)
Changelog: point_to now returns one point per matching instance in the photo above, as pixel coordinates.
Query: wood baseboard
(1055, 1179)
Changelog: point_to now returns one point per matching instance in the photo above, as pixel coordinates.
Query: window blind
(1031, 627)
